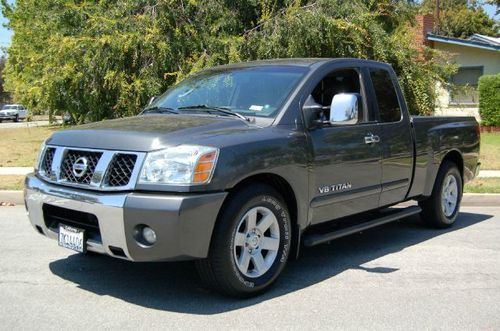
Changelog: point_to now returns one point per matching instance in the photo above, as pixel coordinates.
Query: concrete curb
(15, 197)
(469, 199)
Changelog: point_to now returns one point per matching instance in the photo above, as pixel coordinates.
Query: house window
(464, 85)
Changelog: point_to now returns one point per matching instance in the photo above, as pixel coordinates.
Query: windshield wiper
(208, 108)
(159, 110)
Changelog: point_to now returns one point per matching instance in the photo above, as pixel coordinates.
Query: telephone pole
(436, 17)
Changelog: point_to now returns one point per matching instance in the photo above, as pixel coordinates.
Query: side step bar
(319, 238)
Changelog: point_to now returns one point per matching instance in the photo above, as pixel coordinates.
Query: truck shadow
(176, 287)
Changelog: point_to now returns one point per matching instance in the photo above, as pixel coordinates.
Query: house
(476, 56)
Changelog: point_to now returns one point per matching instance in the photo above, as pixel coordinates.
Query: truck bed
(435, 136)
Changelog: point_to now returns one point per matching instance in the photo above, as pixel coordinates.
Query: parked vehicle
(239, 166)
(13, 112)
(67, 119)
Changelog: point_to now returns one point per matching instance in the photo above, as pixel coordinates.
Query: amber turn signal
(204, 168)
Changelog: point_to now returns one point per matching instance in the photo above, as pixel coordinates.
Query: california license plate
(72, 238)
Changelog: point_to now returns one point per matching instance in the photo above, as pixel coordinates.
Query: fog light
(149, 235)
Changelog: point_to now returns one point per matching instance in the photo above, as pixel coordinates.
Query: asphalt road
(399, 276)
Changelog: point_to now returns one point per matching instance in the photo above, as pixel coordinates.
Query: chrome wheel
(449, 196)
(256, 242)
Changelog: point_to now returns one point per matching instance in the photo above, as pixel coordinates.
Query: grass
(19, 147)
(483, 185)
(490, 151)
(8, 182)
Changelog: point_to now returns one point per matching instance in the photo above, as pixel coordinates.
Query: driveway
(399, 276)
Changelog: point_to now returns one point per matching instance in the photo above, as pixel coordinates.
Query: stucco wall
(471, 56)
(465, 57)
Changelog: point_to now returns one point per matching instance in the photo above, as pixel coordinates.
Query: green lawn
(11, 182)
(483, 185)
(19, 147)
(490, 151)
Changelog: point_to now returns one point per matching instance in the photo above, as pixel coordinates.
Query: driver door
(345, 173)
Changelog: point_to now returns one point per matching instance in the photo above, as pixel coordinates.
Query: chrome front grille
(69, 160)
(91, 169)
(120, 170)
(46, 165)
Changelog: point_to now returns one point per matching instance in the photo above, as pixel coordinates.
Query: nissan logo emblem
(80, 166)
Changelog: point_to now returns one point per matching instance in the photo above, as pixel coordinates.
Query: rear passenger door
(396, 136)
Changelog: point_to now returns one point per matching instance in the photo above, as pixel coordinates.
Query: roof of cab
(299, 62)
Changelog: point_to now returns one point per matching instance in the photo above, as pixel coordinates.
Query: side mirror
(344, 108)
(151, 101)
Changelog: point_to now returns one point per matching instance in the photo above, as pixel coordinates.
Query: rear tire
(250, 243)
(16, 119)
(441, 209)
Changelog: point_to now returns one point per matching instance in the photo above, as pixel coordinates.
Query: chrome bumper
(183, 223)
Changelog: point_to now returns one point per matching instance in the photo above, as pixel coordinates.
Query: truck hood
(149, 132)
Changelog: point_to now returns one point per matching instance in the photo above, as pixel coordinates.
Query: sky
(6, 34)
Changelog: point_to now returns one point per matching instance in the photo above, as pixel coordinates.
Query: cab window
(385, 92)
(336, 82)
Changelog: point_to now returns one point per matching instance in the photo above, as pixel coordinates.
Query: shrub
(489, 100)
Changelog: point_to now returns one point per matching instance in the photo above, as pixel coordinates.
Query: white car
(13, 112)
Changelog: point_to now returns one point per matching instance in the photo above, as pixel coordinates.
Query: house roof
(485, 39)
(476, 41)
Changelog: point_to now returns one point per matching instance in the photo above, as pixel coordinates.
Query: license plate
(72, 238)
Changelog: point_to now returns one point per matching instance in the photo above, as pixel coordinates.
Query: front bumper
(183, 222)
(7, 117)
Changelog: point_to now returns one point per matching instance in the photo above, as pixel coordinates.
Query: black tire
(220, 271)
(16, 119)
(433, 212)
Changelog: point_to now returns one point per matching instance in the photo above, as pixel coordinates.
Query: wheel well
(285, 190)
(456, 158)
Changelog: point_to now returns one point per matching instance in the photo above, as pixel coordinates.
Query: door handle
(371, 139)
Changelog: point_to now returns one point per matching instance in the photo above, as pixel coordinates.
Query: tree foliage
(104, 59)
(462, 18)
(4, 96)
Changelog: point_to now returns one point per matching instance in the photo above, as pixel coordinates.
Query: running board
(319, 238)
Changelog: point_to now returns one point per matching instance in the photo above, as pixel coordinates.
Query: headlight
(38, 160)
(180, 165)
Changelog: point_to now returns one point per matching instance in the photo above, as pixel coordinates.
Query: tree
(461, 18)
(104, 59)
(4, 96)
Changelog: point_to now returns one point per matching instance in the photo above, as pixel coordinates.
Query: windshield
(253, 91)
(7, 107)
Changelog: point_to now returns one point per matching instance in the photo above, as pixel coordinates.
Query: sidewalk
(22, 171)
(489, 173)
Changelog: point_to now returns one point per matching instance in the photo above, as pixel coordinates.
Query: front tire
(250, 243)
(16, 119)
(441, 208)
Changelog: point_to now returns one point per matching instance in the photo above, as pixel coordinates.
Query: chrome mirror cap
(344, 108)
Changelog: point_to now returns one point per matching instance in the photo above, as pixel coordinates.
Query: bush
(489, 100)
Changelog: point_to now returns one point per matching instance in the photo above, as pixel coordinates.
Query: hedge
(489, 100)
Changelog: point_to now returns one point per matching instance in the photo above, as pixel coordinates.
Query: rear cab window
(388, 105)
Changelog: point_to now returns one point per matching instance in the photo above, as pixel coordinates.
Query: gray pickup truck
(239, 166)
